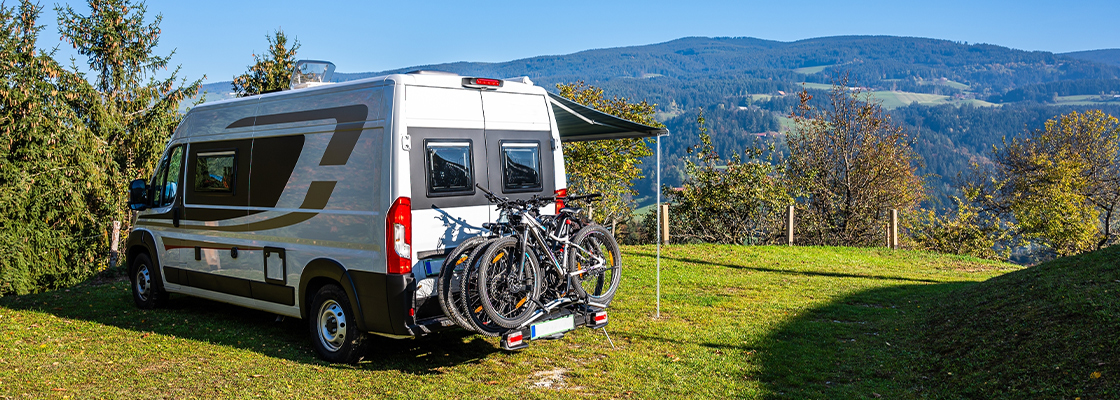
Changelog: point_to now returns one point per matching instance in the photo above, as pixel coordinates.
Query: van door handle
(175, 216)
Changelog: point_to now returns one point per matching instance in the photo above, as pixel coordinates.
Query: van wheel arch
(141, 242)
(321, 272)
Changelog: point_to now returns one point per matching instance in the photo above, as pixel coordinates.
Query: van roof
(418, 78)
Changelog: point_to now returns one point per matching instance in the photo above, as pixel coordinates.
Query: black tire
(470, 303)
(509, 282)
(454, 267)
(333, 334)
(600, 284)
(147, 283)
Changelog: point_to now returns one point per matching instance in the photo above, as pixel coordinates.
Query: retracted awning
(578, 122)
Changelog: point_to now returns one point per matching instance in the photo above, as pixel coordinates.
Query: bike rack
(582, 316)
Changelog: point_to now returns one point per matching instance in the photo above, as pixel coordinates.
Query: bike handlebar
(506, 202)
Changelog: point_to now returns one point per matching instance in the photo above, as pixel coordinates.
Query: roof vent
(426, 72)
(309, 73)
(520, 79)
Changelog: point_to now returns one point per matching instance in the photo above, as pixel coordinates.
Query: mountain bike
(511, 270)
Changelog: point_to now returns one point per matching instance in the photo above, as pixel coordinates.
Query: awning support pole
(658, 315)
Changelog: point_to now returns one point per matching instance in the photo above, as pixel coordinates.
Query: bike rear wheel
(599, 256)
(509, 282)
(470, 303)
(453, 270)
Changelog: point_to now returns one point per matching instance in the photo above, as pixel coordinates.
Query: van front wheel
(333, 333)
(147, 286)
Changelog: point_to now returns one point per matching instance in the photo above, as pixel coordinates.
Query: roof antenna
(310, 73)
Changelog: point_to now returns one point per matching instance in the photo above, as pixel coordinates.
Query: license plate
(549, 328)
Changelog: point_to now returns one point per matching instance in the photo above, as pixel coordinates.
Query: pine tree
(127, 106)
(52, 168)
(269, 74)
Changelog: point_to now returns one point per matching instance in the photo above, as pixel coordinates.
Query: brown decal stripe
(349, 121)
(282, 221)
(274, 159)
(317, 196)
(171, 243)
(229, 285)
(205, 214)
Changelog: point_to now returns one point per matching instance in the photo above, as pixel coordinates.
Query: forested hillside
(1107, 56)
(943, 91)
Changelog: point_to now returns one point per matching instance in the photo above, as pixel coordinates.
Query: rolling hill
(1106, 56)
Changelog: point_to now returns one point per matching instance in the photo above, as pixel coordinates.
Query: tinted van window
(521, 166)
(214, 172)
(449, 167)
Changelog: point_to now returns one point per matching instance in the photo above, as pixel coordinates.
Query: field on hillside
(727, 316)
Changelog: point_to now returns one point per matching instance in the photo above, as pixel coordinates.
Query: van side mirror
(138, 195)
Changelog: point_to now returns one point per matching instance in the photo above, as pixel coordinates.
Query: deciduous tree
(607, 166)
(851, 165)
(738, 201)
(1062, 183)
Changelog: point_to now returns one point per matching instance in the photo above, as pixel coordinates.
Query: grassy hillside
(1050, 331)
(730, 328)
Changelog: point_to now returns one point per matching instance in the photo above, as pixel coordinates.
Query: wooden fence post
(789, 226)
(114, 244)
(893, 234)
(664, 224)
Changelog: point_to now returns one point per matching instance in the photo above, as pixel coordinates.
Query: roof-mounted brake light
(482, 83)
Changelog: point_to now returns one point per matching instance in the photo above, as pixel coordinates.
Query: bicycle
(509, 273)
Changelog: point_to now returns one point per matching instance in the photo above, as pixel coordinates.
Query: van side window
(165, 184)
(215, 172)
(449, 167)
(521, 166)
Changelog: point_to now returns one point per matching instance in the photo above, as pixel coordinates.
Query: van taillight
(488, 82)
(398, 237)
(560, 194)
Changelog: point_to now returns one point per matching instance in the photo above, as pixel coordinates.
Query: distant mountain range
(702, 70)
(941, 90)
(1106, 56)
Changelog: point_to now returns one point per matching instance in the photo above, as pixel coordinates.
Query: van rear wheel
(334, 334)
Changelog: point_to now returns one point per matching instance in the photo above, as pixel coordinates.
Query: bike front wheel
(596, 263)
(509, 282)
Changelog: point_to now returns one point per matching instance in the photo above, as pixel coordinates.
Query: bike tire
(470, 303)
(599, 286)
(454, 267)
(509, 292)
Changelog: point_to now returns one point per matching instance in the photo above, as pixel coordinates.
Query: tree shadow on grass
(110, 303)
(864, 345)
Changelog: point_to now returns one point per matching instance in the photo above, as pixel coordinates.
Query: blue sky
(217, 38)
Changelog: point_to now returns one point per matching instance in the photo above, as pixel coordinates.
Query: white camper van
(336, 203)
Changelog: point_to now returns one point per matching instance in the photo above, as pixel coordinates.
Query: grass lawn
(736, 322)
